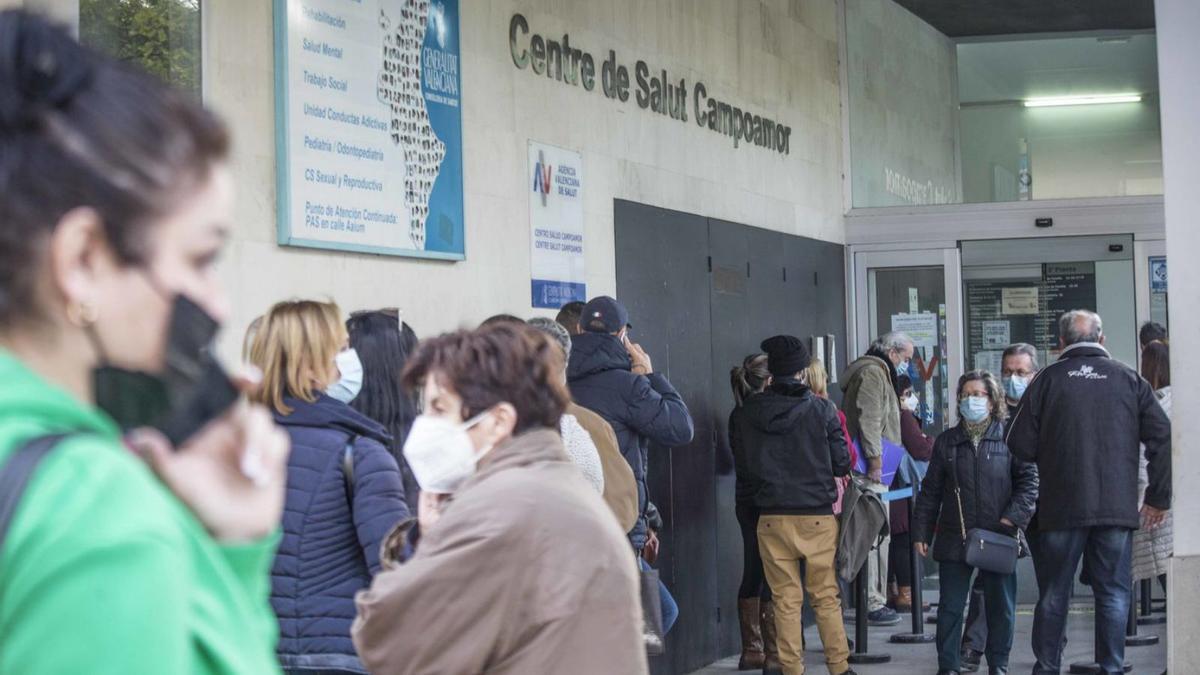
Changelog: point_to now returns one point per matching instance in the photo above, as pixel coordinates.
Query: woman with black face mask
(116, 202)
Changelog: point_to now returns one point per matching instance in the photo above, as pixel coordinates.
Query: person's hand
(922, 548)
(429, 509)
(650, 552)
(232, 474)
(1152, 517)
(639, 357)
(875, 469)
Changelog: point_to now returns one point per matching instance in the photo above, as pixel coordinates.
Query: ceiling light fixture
(1052, 101)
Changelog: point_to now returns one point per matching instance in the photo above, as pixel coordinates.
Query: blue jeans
(1000, 606)
(670, 610)
(1107, 553)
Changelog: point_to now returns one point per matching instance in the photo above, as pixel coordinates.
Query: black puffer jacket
(994, 484)
(1082, 420)
(640, 408)
(794, 447)
(744, 488)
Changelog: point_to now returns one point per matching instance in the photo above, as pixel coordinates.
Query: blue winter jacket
(640, 408)
(330, 547)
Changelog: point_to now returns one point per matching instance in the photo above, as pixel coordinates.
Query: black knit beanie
(786, 355)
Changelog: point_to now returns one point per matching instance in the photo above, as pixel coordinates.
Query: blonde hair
(248, 340)
(749, 378)
(295, 347)
(816, 378)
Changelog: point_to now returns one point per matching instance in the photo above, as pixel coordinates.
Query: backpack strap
(15, 475)
(348, 468)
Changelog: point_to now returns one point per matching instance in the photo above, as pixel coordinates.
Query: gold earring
(81, 314)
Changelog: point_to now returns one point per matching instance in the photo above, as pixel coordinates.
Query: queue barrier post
(860, 654)
(918, 634)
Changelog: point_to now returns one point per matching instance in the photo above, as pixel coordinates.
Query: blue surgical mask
(974, 409)
(902, 367)
(351, 380)
(1015, 386)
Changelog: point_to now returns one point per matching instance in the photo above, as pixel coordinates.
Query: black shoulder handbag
(984, 549)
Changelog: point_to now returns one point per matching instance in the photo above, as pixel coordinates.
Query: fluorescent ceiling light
(1082, 100)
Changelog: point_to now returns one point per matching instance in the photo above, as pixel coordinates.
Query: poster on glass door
(556, 226)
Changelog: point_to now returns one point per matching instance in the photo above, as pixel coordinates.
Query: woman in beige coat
(520, 566)
(1152, 549)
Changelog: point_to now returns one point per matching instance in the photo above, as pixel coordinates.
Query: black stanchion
(1089, 667)
(860, 654)
(918, 634)
(1132, 639)
(1148, 618)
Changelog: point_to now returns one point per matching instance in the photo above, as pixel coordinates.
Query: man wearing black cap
(613, 377)
(794, 449)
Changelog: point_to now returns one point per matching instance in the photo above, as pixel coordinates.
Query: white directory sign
(555, 191)
(996, 334)
(1019, 300)
(369, 126)
(922, 328)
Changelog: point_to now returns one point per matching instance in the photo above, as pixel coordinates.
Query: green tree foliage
(160, 36)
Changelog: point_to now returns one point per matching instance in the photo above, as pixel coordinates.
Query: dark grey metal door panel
(662, 277)
(702, 294)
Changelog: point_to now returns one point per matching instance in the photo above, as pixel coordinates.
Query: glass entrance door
(915, 292)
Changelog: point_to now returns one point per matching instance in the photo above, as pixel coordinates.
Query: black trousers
(899, 562)
(754, 582)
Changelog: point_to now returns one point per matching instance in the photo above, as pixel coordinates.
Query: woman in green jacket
(114, 203)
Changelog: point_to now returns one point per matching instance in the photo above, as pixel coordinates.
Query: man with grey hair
(1018, 365)
(1082, 420)
(872, 411)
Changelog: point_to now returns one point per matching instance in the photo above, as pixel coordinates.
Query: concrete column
(1178, 24)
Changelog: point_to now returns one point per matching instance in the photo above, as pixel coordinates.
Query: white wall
(777, 59)
(1178, 52)
(1076, 151)
(903, 98)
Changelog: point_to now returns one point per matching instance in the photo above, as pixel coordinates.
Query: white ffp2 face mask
(440, 453)
(911, 402)
(351, 380)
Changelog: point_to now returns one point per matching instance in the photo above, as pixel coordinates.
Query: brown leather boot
(904, 601)
(770, 648)
(750, 616)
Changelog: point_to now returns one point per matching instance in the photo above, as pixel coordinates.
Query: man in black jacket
(614, 378)
(1082, 419)
(794, 449)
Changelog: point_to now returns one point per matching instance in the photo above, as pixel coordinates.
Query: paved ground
(922, 659)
